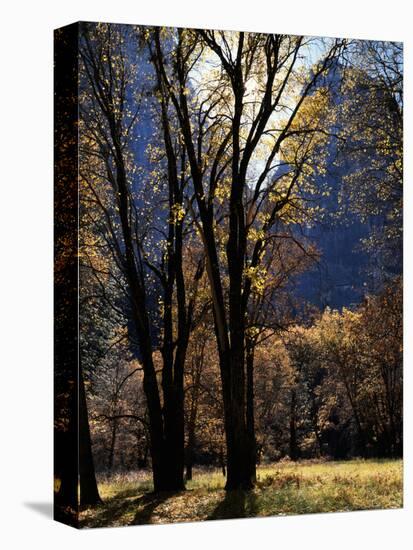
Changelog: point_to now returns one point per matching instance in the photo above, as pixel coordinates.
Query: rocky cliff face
(346, 270)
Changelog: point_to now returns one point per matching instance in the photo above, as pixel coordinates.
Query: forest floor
(282, 488)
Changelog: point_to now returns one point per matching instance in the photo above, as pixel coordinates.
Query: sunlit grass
(283, 488)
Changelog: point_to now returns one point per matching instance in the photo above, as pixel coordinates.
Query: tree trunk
(111, 457)
(238, 449)
(189, 455)
(188, 466)
(89, 494)
(165, 426)
(222, 462)
(65, 462)
(294, 450)
(175, 444)
(250, 410)
(197, 368)
(166, 420)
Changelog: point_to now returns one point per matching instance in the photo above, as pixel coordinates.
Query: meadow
(284, 488)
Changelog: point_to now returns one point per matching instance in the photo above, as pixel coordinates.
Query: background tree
(370, 119)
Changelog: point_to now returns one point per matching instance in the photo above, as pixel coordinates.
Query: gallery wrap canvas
(228, 274)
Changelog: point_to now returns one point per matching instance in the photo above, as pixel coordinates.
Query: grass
(282, 488)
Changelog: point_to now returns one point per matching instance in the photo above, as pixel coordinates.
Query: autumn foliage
(206, 167)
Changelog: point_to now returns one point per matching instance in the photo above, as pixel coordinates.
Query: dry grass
(283, 488)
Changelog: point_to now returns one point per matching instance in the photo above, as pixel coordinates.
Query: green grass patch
(282, 488)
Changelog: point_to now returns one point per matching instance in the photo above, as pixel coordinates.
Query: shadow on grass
(148, 504)
(131, 492)
(236, 504)
(120, 509)
(107, 513)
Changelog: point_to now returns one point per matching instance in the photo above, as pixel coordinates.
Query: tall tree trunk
(250, 410)
(66, 411)
(166, 419)
(89, 494)
(238, 449)
(175, 443)
(164, 432)
(230, 334)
